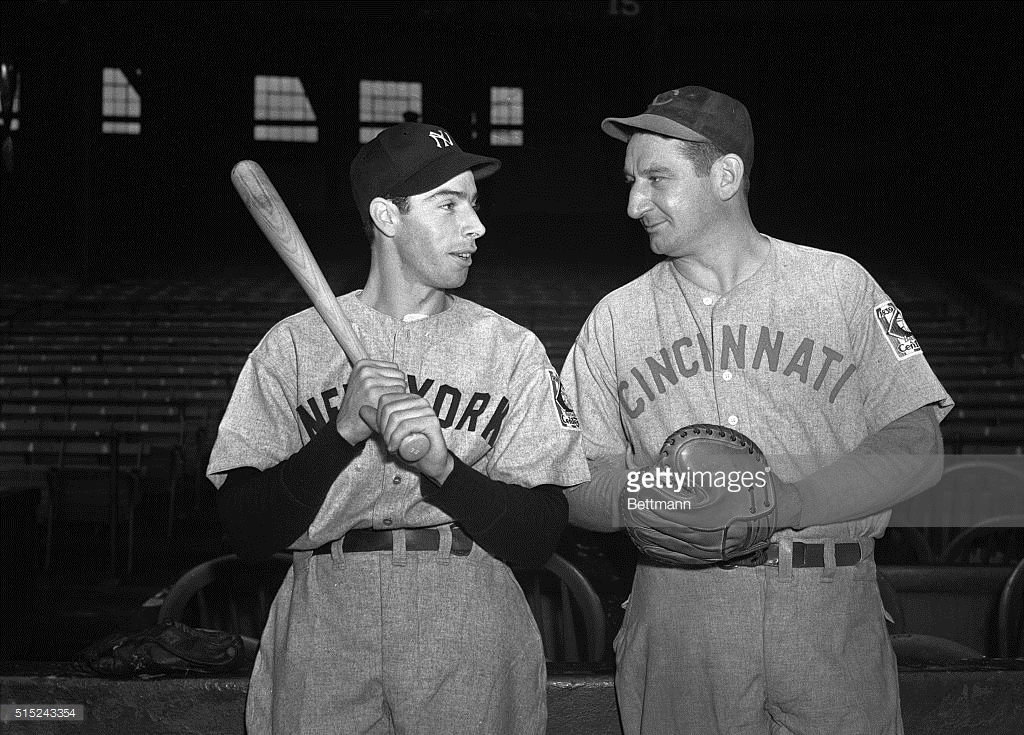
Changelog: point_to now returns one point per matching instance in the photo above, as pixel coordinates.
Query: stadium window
(383, 103)
(122, 105)
(506, 115)
(282, 112)
(14, 78)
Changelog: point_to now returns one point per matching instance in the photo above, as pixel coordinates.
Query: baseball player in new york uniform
(400, 612)
(800, 350)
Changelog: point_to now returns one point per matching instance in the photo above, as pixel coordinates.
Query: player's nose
(639, 202)
(473, 227)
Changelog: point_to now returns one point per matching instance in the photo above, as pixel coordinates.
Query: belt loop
(398, 557)
(785, 559)
(828, 571)
(337, 553)
(444, 544)
(867, 547)
(301, 563)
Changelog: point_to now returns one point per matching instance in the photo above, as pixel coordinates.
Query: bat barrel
(269, 210)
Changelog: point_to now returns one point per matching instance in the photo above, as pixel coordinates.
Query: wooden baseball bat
(273, 217)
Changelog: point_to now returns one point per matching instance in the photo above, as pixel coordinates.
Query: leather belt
(804, 556)
(813, 555)
(416, 539)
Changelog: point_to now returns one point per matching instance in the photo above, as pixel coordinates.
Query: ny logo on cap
(441, 138)
(665, 97)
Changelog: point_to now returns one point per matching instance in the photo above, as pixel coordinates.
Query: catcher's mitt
(715, 501)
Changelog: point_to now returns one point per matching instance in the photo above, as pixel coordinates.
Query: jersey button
(708, 301)
(397, 480)
(733, 421)
(387, 521)
(727, 375)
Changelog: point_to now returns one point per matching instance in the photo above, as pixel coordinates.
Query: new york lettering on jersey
(463, 410)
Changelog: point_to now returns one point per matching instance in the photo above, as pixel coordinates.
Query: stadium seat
(1011, 615)
(227, 594)
(919, 649)
(998, 540)
(160, 468)
(83, 495)
(903, 545)
(44, 452)
(955, 603)
(568, 611)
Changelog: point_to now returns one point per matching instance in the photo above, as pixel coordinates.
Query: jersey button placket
(727, 376)
(387, 511)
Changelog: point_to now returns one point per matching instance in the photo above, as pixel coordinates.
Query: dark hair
(403, 206)
(703, 156)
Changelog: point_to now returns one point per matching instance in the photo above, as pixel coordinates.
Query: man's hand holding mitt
(711, 498)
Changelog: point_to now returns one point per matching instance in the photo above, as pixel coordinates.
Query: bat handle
(413, 447)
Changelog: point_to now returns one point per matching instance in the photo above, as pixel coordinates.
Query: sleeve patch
(895, 331)
(566, 415)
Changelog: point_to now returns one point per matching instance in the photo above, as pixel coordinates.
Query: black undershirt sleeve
(266, 511)
(519, 525)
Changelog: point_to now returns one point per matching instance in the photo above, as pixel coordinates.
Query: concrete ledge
(979, 696)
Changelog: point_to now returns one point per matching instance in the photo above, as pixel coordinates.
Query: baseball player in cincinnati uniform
(400, 612)
(798, 349)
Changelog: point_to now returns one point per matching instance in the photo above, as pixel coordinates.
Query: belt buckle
(761, 557)
(755, 559)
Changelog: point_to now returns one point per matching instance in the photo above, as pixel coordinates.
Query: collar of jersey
(668, 278)
(440, 325)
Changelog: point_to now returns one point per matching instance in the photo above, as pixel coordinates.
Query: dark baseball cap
(410, 158)
(696, 114)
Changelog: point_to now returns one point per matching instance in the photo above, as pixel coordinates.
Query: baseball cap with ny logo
(411, 158)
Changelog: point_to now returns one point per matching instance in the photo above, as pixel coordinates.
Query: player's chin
(456, 278)
(655, 243)
(663, 246)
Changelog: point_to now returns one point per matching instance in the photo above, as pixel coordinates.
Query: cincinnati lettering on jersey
(450, 405)
(767, 351)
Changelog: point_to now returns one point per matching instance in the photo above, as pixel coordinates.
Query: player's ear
(727, 173)
(384, 214)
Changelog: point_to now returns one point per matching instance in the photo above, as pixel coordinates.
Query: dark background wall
(887, 130)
